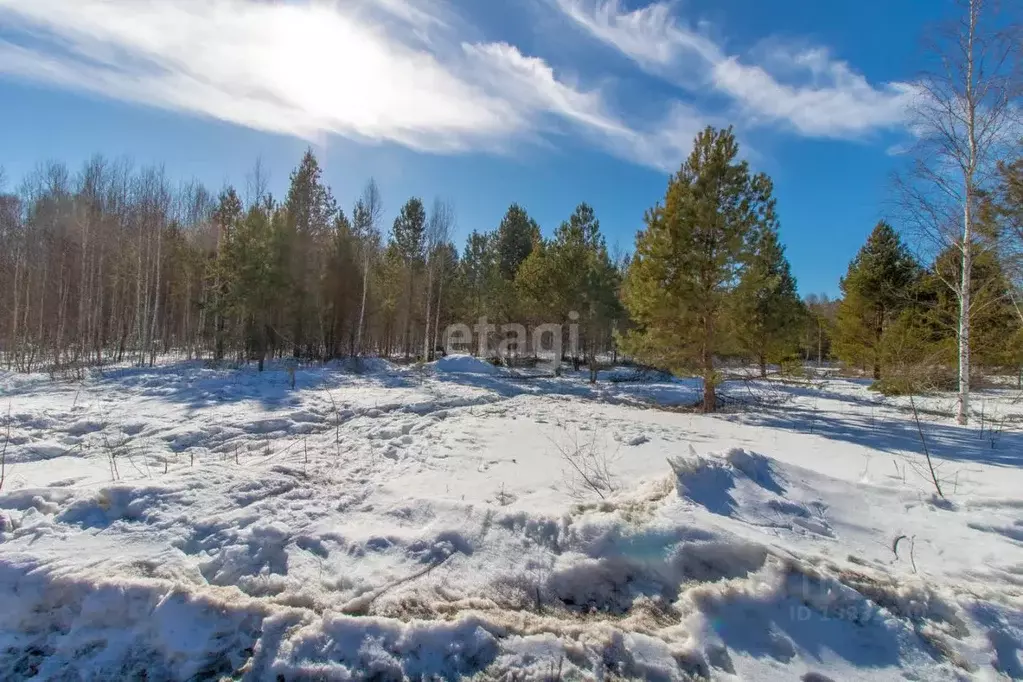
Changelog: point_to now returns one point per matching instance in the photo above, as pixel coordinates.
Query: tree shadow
(195, 385)
(948, 442)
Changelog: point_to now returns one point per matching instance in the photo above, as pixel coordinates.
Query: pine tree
(688, 260)
(516, 236)
(877, 287)
(582, 281)
(769, 313)
(535, 287)
(341, 288)
(478, 276)
(408, 234)
(256, 277)
(442, 219)
(366, 216)
(446, 259)
(310, 209)
(226, 218)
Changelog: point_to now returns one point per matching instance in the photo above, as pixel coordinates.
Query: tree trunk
(12, 359)
(218, 315)
(820, 343)
(436, 323)
(408, 314)
(709, 395)
(80, 320)
(429, 293)
(42, 311)
(362, 307)
(98, 323)
(138, 295)
(150, 337)
(63, 287)
(591, 359)
(963, 408)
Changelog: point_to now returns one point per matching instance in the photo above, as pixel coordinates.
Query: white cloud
(302, 69)
(845, 106)
(393, 71)
(828, 100)
(378, 70)
(533, 84)
(649, 35)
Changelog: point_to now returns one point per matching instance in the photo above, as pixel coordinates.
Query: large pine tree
(255, 277)
(689, 259)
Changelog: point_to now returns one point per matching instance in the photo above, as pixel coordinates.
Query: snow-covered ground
(183, 523)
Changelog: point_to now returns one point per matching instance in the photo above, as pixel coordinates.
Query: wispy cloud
(807, 91)
(532, 83)
(649, 35)
(297, 68)
(377, 70)
(412, 72)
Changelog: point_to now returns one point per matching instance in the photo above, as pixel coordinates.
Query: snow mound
(367, 365)
(464, 364)
(749, 487)
(709, 481)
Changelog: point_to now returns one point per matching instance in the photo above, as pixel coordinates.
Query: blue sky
(543, 102)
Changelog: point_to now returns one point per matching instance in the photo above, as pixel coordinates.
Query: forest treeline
(109, 264)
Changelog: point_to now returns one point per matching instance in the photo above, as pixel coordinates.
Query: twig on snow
(912, 549)
(927, 453)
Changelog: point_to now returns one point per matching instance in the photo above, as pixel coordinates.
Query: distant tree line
(111, 265)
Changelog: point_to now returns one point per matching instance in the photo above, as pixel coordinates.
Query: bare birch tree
(962, 117)
(367, 224)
